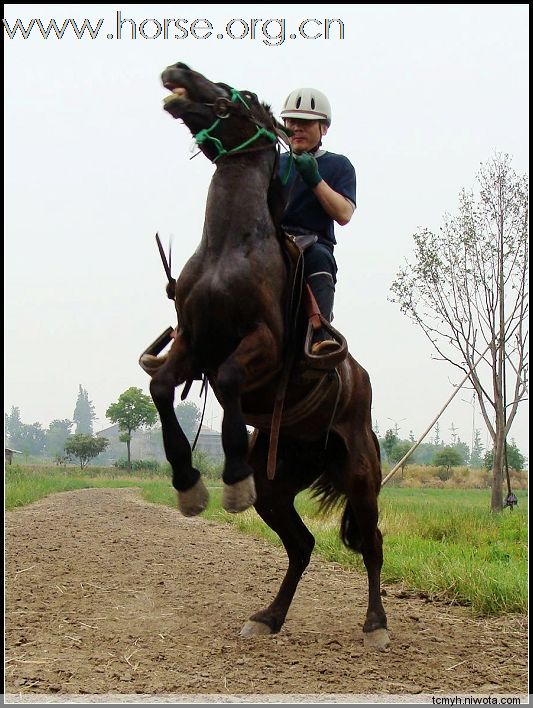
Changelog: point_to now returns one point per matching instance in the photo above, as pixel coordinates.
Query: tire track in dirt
(106, 593)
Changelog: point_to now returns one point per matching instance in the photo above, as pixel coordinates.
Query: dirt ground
(107, 594)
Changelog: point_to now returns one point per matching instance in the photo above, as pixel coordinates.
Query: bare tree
(467, 290)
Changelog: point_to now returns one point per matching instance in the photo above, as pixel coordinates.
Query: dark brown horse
(230, 300)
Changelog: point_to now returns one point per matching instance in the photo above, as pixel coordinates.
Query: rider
(320, 190)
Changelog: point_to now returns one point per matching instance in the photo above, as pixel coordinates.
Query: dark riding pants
(320, 270)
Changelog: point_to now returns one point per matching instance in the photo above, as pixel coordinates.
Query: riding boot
(323, 289)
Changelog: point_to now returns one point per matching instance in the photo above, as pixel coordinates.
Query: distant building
(148, 445)
(210, 442)
(9, 454)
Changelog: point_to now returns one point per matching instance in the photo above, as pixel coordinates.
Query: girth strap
(300, 410)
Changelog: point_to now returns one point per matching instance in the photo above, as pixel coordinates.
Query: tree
(132, 410)
(84, 413)
(447, 457)
(13, 425)
(515, 459)
(453, 433)
(477, 450)
(424, 453)
(84, 447)
(29, 439)
(188, 415)
(462, 449)
(389, 442)
(467, 291)
(399, 450)
(56, 436)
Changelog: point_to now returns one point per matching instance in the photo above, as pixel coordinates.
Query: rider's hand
(307, 166)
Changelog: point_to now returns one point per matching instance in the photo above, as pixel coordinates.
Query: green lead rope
(285, 177)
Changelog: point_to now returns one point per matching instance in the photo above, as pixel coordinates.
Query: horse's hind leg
(255, 355)
(360, 532)
(192, 494)
(275, 505)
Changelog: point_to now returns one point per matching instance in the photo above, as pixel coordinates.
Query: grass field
(444, 542)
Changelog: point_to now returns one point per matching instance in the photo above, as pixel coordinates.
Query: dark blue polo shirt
(303, 209)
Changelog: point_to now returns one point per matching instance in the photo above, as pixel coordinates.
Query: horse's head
(221, 119)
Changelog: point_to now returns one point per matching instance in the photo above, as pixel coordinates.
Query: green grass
(445, 543)
(442, 542)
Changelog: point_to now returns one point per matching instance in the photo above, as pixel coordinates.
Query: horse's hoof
(239, 496)
(194, 500)
(255, 629)
(378, 640)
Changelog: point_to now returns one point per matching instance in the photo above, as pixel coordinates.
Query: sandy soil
(108, 594)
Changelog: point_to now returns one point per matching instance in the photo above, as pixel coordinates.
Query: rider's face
(306, 134)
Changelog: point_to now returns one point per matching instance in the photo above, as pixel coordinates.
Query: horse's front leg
(192, 493)
(256, 354)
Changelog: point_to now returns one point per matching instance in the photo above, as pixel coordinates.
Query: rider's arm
(334, 204)
(337, 206)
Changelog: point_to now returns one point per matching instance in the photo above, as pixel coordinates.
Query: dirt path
(108, 594)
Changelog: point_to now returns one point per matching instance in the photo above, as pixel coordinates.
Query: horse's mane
(268, 115)
(276, 198)
(261, 111)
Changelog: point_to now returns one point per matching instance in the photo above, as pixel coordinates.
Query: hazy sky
(421, 95)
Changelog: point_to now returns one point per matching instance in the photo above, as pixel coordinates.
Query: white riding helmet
(307, 104)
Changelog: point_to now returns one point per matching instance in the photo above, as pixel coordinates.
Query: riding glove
(307, 166)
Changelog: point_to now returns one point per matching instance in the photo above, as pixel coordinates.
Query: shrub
(149, 465)
(210, 468)
(444, 473)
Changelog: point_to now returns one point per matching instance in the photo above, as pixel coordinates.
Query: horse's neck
(237, 202)
(245, 174)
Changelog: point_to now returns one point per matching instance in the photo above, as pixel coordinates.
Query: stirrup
(327, 354)
(326, 346)
(153, 350)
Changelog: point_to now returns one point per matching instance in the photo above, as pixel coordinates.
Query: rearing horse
(230, 300)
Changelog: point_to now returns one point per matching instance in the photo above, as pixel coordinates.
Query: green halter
(203, 135)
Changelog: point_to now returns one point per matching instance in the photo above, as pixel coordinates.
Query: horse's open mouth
(177, 94)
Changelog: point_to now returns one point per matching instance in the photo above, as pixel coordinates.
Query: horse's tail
(376, 444)
(350, 533)
(328, 498)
